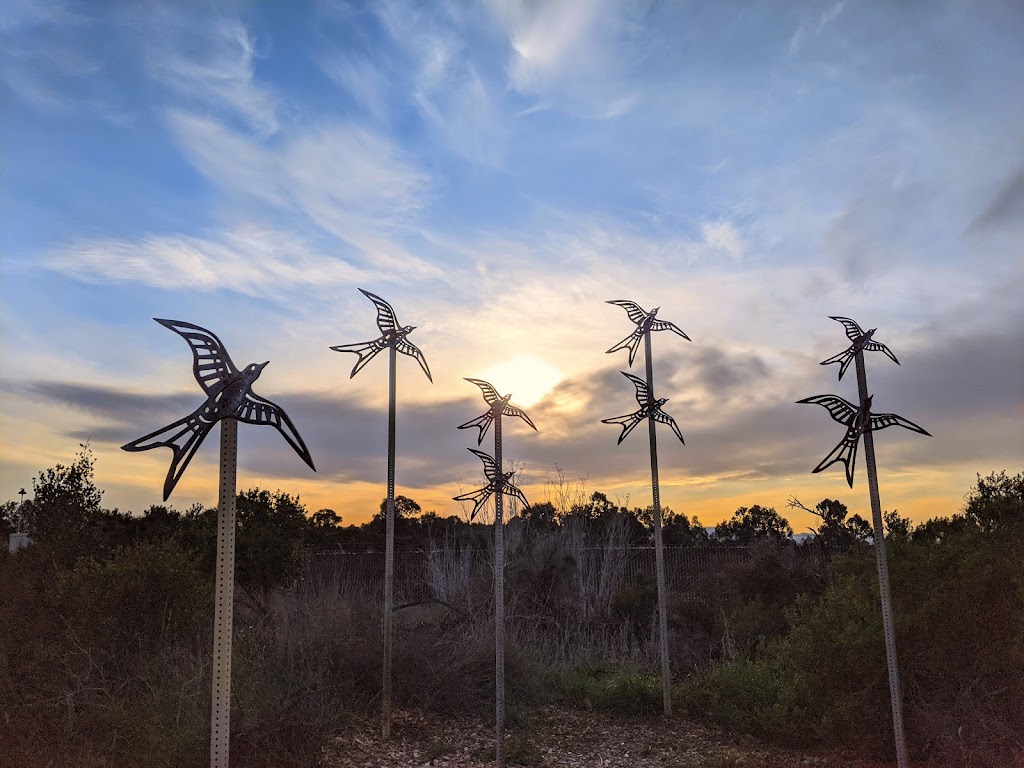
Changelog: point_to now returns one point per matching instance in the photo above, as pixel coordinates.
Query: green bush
(959, 612)
(623, 691)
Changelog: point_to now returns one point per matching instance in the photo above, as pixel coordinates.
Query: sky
(498, 170)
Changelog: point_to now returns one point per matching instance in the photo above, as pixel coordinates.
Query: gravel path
(561, 738)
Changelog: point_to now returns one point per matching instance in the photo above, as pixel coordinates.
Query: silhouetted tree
(996, 501)
(270, 539)
(540, 516)
(750, 523)
(837, 530)
(896, 526)
(404, 508)
(65, 507)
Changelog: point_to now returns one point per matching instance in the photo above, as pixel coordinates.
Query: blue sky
(497, 170)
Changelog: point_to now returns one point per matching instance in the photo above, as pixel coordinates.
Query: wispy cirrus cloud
(252, 260)
(572, 55)
(446, 56)
(354, 184)
(210, 62)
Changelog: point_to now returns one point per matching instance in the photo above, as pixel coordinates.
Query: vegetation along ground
(776, 647)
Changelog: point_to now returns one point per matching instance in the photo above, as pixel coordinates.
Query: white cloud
(352, 183)
(366, 83)
(461, 103)
(214, 68)
(250, 260)
(571, 54)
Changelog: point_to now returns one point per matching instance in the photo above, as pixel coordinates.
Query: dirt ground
(563, 738)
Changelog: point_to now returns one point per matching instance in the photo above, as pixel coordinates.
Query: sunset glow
(497, 172)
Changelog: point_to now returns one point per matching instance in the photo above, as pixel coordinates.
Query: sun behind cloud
(527, 377)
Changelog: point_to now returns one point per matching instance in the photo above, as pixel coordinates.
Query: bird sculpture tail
(366, 350)
(478, 497)
(482, 423)
(845, 452)
(843, 358)
(183, 437)
(631, 342)
(627, 422)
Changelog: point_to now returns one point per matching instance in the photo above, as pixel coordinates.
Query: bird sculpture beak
(263, 365)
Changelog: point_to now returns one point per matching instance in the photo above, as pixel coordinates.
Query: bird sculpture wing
(665, 325)
(883, 420)
(490, 467)
(259, 410)
(490, 393)
(635, 312)
(511, 410)
(406, 347)
(210, 361)
(643, 394)
(513, 490)
(183, 437)
(386, 319)
(663, 418)
(877, 346)
(839, 409)
(853, 331)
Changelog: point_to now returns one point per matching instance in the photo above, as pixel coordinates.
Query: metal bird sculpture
(498, 405)
(480, 495)
(861, 340)
(393, 335)
(857, 421)
(649, 409)
(644, 321)
(229, 395)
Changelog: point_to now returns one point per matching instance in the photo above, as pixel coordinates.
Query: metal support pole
(888, 628)
(659, 549)
(389, 554)
(499, 603)
(220, 712)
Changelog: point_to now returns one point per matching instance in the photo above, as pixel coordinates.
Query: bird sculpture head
(253, 370)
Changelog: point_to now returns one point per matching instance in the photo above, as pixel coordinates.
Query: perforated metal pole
(220, 713)
(499, 604)
(888, 629)
(389, 554)
(659, 549)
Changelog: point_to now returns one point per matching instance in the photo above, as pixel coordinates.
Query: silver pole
(220, 713)
(888, 629)
(659, 550)
(499, 603)
(389, 553)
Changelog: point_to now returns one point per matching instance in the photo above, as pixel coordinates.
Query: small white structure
(18, 541)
